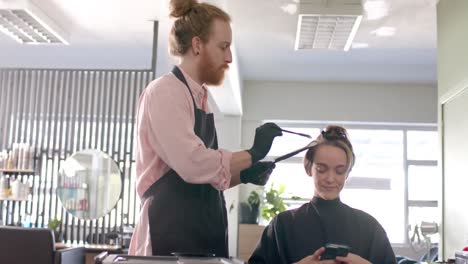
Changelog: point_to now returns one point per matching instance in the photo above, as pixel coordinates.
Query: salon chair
(35, 245)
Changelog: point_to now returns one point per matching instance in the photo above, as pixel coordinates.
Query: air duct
(327, 24)
(28, 24)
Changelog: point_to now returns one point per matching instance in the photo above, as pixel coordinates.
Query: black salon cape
(295, 234)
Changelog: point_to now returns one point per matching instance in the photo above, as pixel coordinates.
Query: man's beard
(210, 73)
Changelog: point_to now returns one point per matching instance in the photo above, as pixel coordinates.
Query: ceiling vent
(26, 23)
(327, 24)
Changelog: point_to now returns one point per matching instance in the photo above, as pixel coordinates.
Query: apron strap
(178, 73)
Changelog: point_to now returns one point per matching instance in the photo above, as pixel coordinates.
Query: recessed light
(384, 31)
(376, 9)
(290, 8)
(359, 45)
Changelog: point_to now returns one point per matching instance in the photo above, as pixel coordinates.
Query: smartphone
(334, 250)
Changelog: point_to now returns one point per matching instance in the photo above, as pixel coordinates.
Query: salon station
(392, 72)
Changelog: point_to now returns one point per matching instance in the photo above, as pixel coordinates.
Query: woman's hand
(352, 259)
(315, 258)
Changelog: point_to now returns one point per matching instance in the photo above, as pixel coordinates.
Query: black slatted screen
(60, 112)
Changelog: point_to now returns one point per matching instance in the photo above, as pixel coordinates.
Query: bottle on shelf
(3, 159)
(10, 162)
(15, 189)
(14, 156)
(31, 157)
(26, 221)
(3, 186)
(20, 157)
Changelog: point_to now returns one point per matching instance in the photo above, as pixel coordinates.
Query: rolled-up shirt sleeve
(171, 120)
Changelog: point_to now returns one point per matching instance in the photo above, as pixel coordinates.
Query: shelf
(76, 210)
(62, 188)
(72, 188)
(14, 199)
(17, 171)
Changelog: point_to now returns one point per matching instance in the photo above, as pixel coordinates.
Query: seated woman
(299, 235)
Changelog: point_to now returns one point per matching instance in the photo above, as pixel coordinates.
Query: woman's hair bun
(334, 133)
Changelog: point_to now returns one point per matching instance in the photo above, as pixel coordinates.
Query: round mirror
(89, 184)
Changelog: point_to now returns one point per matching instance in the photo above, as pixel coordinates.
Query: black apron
(184, 217)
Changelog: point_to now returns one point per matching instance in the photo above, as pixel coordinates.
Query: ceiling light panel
(325, 31)
(27, 24)
(327, 24)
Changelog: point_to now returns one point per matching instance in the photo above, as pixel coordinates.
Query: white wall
(455, 182)
(383, 103)
(338, 102)
(229, 137)
(452, 43)
(452, 22)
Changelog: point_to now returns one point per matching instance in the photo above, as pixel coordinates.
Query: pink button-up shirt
(166, 139)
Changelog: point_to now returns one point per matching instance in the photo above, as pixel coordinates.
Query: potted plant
(249, 210)
(54, 224)
(273, 201)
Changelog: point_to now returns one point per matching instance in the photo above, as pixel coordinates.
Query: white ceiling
(264, 35)
(265, 40)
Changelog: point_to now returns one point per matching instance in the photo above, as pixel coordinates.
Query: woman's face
(329, 171)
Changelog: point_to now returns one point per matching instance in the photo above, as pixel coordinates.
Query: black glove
(264, 136)
(257, 174)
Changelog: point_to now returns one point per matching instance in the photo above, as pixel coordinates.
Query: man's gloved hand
(264, 136)
(257, 174)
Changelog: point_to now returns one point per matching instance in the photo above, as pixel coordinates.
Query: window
(424, 182)
(394, 179)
